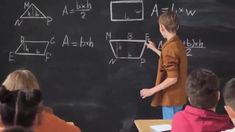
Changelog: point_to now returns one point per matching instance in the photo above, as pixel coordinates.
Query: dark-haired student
(229, 99)
(24, 84)
(19, 107)
(202, 87)
(16, 129)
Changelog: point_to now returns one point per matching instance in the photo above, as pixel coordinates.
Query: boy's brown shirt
(172, 63)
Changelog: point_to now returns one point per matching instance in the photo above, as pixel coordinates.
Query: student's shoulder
(179, 114)
(179, 123)
(53, 120)
(49, 117)
(175, 47)
(173, 44)
(170, 48)
(176, 43)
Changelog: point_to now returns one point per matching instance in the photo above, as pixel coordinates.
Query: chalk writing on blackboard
(82, 43)
(127, 10)
(80, 7)
(32, 12)
(127, 49)
(180, 10)
(32, 48)
(189, 43)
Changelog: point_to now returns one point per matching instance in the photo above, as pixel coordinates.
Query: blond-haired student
(229, 99)
(24, 80)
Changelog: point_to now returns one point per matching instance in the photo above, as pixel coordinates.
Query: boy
(229, 99)
(169, 88)
(202, 87)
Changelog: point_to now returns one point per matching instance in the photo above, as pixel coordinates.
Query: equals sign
(72, 11)
(164, 10)
(75, 44)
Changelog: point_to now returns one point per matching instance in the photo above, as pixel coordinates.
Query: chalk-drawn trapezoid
(127, 49)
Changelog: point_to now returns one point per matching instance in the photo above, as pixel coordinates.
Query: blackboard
(89, 55)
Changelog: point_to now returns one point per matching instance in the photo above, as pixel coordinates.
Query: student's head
(20, 98)
(202, 87)
(229, 98)
(19, 107)
(168, 23)
(20, 80)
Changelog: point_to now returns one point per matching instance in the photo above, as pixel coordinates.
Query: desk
(143, 125)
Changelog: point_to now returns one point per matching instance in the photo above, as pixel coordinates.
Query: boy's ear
(230, 111)
(162, 27)
(218, 95)
(189, 100)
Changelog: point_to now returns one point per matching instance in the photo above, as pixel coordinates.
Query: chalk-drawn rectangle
(127, 10)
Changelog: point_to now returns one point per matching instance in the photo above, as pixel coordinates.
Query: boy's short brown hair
(202, 87)
(170, 20)
(229, 93)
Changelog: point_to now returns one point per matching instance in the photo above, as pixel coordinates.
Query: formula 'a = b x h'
(32, 12)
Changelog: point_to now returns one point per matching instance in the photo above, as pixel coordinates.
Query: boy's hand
(151, 45)
(146, 93)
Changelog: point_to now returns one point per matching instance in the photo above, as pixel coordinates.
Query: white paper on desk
(160, 128)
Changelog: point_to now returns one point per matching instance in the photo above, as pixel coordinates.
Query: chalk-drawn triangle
(32, 12)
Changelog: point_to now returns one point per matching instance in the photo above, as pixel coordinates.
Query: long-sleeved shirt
(193, 119)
